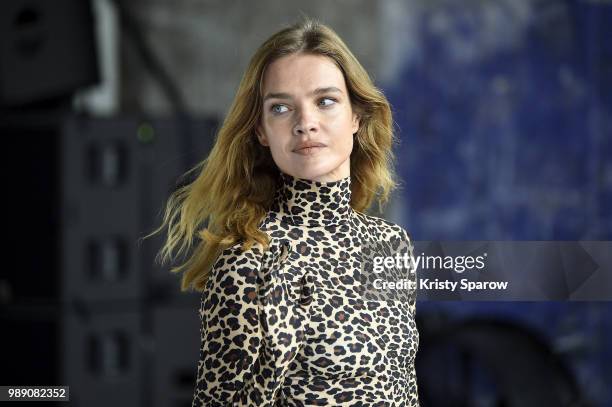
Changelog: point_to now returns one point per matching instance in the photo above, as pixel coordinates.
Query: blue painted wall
(514, 143)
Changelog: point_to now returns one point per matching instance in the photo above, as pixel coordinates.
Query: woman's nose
(306, 121)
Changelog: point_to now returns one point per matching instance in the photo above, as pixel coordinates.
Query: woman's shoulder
(242, 260)
(238, 254)
(383, 227)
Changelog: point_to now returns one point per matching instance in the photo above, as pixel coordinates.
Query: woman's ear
(263, 140)
(356, 122)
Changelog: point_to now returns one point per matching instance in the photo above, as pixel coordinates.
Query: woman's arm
(253, 323)
(230, 329)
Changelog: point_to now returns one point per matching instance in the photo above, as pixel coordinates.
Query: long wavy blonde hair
(236, 183)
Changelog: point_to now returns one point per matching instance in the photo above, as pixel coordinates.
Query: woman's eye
(333, 100)
(274, 110)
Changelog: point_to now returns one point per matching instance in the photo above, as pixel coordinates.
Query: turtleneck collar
(300, 201)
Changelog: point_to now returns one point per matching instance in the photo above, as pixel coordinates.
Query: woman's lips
(309, 150)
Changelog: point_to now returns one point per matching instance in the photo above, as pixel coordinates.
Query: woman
(303, 150)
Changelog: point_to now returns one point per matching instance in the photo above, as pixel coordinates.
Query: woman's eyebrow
(317, 91)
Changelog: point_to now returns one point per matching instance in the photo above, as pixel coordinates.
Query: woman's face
(305, 102)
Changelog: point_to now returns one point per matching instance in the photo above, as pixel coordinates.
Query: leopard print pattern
(289, 327)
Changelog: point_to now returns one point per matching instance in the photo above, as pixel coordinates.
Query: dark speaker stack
(83, 302)
(129, 336)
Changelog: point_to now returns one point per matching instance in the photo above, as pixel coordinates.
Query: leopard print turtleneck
(290, 327)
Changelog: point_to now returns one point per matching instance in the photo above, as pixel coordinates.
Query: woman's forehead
(302, 71)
